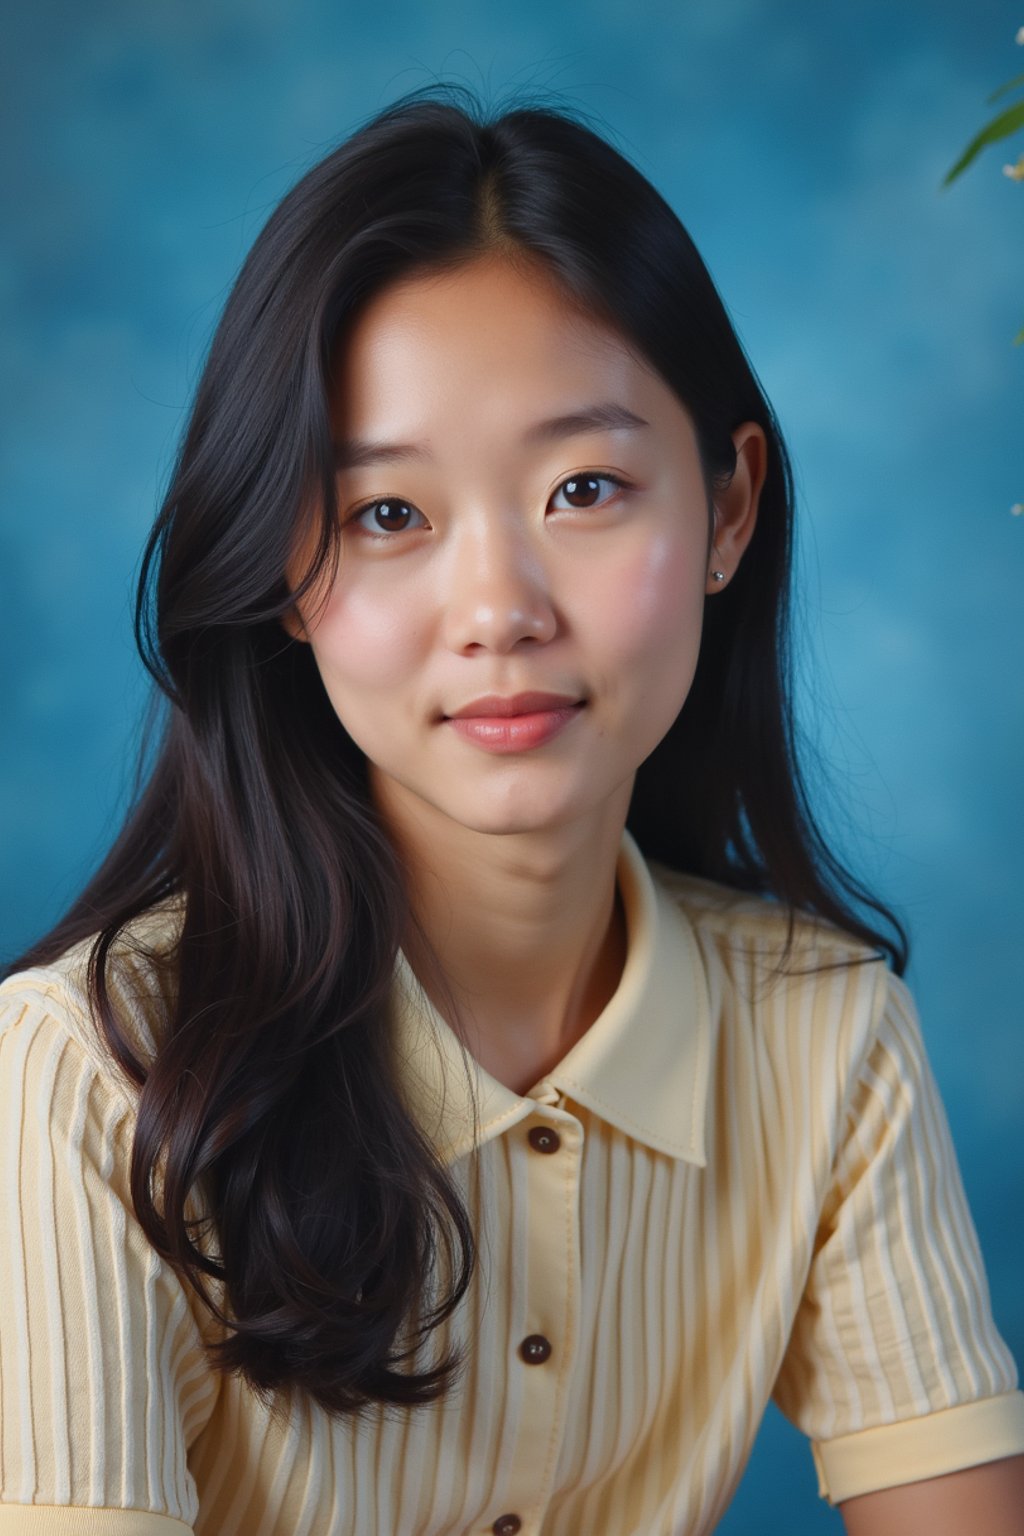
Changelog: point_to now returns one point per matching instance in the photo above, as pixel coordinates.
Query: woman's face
(503, 548)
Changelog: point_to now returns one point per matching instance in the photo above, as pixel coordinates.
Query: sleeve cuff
(65, 1520)
(946, 1441)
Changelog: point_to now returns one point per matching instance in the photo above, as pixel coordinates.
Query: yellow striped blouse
(728, 1191)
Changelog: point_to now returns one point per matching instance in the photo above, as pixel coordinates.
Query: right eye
(392, 516)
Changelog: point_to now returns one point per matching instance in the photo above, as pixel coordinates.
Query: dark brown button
(543, 1139)
(535, 1349)
(507, 1525)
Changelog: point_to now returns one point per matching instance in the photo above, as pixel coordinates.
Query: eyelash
(384, 538)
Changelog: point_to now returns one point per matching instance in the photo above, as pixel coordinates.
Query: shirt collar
(643, 1065)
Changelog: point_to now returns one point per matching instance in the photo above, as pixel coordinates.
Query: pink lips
(515, 724)
(492, 705)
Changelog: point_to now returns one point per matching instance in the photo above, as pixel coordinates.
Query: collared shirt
(734, 1187)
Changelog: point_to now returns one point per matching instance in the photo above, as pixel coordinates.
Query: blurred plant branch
(1009, 120)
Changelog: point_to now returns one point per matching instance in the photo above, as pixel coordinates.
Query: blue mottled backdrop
(803, 146)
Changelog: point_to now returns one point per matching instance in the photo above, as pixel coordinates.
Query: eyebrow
(603, 417)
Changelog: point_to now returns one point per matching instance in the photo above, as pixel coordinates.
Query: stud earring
(717, 575)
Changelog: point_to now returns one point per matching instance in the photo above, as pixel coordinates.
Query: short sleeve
(103, 1378)
(895, 1368)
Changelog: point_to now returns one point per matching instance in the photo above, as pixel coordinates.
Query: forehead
(489, 335)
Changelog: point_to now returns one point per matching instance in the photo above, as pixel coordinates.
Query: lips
(492, 705)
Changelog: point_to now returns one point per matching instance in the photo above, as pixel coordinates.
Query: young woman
(470, 1088)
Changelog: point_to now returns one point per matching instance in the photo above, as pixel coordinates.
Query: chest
(619, 1351)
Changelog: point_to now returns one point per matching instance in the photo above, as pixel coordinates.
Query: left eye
(583, 490)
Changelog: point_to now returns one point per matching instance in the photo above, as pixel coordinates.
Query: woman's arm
(105, 1379)
(979, 1501)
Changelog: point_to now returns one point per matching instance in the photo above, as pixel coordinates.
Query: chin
(507, 821)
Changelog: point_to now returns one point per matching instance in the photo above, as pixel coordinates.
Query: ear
(735, 507)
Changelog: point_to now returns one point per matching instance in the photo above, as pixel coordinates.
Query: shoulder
(775, 972)
(53, 1002)
(745, 922)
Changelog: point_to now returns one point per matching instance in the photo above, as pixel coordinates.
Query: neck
(528, 928)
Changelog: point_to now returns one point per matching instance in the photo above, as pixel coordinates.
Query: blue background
(803, 146)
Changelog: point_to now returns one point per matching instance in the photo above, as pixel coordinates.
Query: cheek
(653, 600)
(366, 641)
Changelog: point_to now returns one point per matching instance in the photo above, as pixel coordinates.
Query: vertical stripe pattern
(785, 1221)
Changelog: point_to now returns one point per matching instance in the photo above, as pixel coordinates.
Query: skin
(979, 1501)
(488, 579)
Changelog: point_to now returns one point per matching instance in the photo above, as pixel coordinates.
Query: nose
(499, 592)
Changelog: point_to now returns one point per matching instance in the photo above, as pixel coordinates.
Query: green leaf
(1018, 338)
(1017, 80)
(999, 128)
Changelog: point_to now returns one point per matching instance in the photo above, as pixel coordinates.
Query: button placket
(545, 1350)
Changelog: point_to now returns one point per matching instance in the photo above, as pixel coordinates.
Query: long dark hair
(273, 1092)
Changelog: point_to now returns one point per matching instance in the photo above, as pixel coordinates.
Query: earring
(717, 575)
